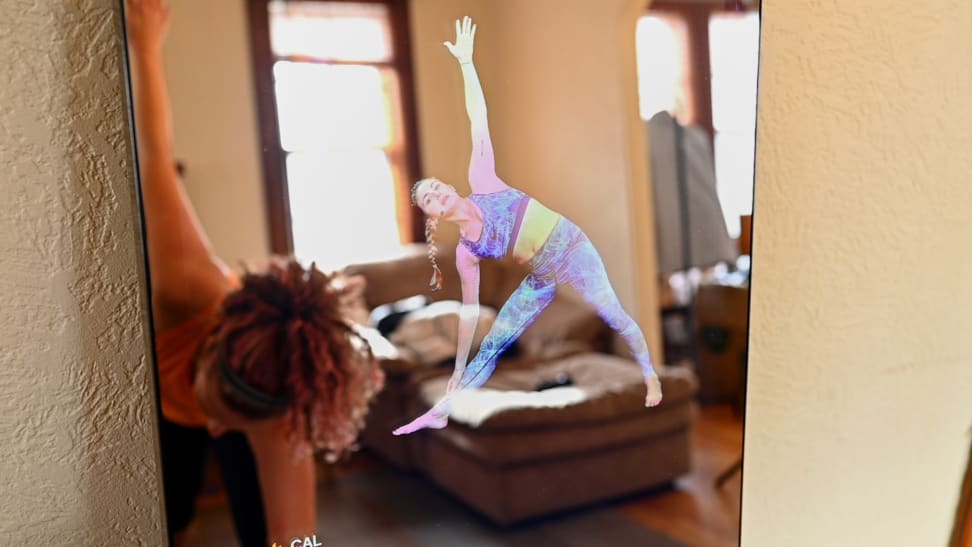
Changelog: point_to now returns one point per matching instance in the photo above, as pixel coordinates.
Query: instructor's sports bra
(502, 214)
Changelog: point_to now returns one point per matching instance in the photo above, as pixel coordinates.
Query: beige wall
(560, 83)
(860, 378)
(207, 60)
(563, 112)
(78, 446)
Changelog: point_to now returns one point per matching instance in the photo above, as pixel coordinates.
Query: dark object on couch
(387, 317)
(561, 380)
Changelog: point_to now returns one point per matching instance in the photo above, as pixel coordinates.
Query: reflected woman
(266, 365)
(497, 220)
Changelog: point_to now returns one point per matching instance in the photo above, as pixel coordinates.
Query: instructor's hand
(462, 50)
(453, 383)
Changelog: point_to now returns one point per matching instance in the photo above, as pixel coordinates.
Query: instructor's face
(436, 198)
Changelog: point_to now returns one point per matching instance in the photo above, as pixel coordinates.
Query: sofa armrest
(389, 357)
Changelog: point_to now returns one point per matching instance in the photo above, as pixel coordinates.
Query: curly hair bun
(284, 335)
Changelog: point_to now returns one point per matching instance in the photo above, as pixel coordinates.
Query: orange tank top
(176, 349)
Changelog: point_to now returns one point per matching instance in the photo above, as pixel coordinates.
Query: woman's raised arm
(482, 164)
(185, 274)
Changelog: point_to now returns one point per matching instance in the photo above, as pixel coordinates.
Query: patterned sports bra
(502, 214)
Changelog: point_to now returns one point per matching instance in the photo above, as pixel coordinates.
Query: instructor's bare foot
(431, 420)
(654, 391)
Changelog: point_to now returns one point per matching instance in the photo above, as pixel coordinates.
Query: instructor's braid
(430, 226)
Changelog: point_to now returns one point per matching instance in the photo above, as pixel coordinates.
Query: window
(663, 66)
(699, 62)
(734, 54)
(334, 85)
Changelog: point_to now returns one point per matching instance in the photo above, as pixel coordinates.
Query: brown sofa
(513, 452)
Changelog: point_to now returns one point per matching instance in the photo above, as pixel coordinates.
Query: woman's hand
(462, 50)
(148, 21)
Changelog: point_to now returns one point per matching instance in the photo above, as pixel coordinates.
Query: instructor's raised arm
(482, 165)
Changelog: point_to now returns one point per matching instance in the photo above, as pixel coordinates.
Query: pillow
(430, 335)
(387, 317)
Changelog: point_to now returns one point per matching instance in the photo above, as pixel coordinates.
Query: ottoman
(512, 452)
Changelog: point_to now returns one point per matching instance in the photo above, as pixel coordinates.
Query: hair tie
(253, 396)
(436, 282)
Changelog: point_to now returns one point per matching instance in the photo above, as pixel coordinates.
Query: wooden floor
(694, 512)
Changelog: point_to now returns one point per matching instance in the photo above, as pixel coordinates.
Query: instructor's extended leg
(529, 299)
(583, 269)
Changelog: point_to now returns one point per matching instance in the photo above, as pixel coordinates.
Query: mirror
(299, 128)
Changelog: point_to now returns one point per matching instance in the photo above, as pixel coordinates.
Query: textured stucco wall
(860, 377)
(560, 82)
(78, 461)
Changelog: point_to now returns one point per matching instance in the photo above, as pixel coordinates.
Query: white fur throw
(472, 407)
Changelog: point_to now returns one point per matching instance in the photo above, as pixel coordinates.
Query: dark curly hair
(283, 345)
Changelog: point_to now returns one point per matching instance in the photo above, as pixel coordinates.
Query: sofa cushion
(497, 448)
(605, 387)
(430, 335)
(567, 318)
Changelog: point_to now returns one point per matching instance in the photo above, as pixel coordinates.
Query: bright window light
(734, 54)
(327, 106)
(336, 96)
(661, 64)
(343, 206)
(330, 31)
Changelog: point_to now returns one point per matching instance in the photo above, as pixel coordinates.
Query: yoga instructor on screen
(497, 220)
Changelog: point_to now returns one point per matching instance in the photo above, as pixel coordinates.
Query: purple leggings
(569, 257)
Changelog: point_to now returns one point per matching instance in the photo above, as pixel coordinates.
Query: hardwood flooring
(694, 511)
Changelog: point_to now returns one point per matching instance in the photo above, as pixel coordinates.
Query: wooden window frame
(696, 17)
(274, 173)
